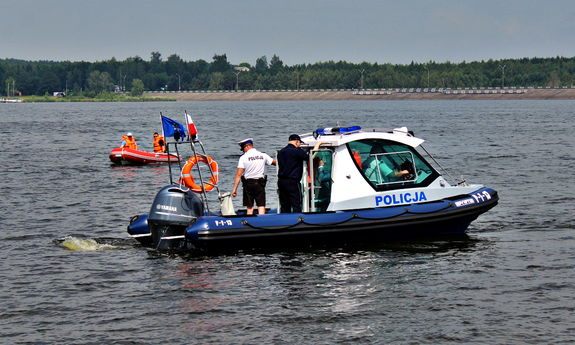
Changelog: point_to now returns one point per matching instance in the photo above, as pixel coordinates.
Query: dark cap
(295, 137)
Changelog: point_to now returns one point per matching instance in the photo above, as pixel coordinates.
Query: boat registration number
(223, 222)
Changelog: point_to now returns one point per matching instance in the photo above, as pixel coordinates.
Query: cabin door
(319, 180)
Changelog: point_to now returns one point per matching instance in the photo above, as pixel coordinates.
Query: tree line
(136, 75)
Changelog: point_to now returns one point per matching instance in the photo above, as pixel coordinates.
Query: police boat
(360, 186)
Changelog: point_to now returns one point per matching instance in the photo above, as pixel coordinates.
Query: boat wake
(84, 244)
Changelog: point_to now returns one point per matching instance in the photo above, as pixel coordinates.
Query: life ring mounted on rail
(188, 180)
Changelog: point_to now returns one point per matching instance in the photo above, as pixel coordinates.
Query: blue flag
(173, 129)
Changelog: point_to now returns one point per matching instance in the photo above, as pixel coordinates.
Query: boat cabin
(367, 168)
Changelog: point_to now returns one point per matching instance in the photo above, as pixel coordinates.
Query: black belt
(254, 179)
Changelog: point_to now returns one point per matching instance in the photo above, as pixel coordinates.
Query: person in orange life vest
(129, 142)
(159, 144)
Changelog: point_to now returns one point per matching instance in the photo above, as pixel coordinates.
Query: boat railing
(365, 130)
(201, 153)
(455, 183)
(385, 130)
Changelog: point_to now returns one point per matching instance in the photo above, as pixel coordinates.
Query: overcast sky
(298, 31)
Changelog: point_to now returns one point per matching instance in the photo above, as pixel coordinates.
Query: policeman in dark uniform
(290, 160)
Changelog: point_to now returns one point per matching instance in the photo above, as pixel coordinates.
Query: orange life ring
(188, 180)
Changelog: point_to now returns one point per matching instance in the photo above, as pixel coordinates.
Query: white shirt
(253, 162)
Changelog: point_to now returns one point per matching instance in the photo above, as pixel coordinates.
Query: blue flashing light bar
(335, 130)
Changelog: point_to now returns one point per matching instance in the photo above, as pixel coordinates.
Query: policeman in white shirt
(251, 172)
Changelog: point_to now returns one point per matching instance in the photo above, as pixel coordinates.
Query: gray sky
(298, 31)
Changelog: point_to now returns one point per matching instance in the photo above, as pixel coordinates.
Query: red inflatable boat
(130, 156)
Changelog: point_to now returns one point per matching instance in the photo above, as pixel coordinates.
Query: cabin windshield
(390, 165)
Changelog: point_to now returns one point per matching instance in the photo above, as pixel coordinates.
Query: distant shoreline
(529, 94)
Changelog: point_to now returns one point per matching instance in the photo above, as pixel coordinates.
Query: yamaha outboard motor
(173, 210)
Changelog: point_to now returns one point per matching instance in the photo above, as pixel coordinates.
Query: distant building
(242, 69)
(58, 94)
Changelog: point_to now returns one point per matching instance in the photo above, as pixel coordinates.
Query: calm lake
(510, 280)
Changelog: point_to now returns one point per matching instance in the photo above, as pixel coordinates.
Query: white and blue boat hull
(447, 216)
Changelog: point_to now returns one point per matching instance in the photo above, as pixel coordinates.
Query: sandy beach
(532, 94)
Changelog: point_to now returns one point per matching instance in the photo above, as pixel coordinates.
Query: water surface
(509, 281)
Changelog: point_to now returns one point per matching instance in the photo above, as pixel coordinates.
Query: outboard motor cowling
(173, 210)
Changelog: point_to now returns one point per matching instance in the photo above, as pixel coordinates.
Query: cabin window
(381, 163)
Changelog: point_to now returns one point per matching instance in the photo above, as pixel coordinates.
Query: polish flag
(192, 128)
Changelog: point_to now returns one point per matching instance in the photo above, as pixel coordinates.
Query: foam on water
(73, 243)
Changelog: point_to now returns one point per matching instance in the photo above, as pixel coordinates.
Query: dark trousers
(290, 195)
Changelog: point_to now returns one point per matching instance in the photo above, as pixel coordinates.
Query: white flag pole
(187, 125)
(162, 122)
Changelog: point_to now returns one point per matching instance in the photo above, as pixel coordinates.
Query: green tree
(186, 80)
(156, 58)
(25, 82)
(174, 65)
(137, 88)
(2, 71)
(134, 67)
(262, 63)
(156, 63)
(275, 64)
(553, 80)
(99, 82)
(263, 82)
(9, 82)
(217, 81)
(49, 76)
(174, 83)
(156, 81)
(201, 82)
(220, 64)
(49, 83)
